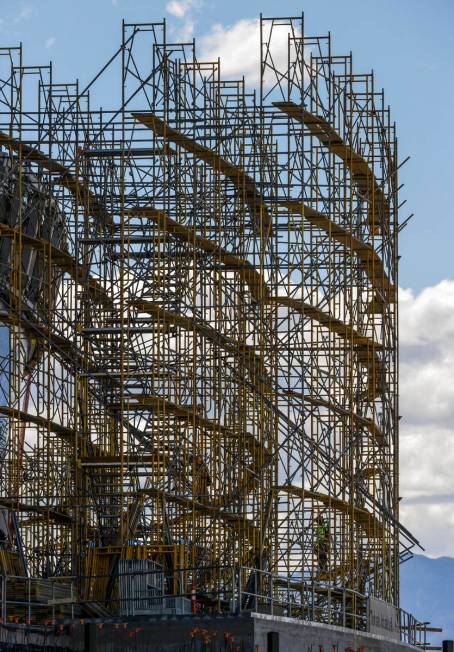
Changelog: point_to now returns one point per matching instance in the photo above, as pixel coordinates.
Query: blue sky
(410, 46)
(408, 43)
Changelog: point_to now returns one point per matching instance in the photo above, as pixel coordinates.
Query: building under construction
(198, 305)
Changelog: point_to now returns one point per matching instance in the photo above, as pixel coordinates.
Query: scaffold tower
(198, 321)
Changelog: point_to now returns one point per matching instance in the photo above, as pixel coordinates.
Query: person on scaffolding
(202, 479)
(361, 488)
(4, 529)
(322, 541)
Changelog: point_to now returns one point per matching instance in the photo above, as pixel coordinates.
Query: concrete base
(248, 632)
(302, 636)
(245, 633)
(25, 638)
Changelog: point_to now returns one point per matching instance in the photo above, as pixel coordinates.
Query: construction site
(199, 423)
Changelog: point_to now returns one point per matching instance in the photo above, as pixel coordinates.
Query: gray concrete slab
(303, 636)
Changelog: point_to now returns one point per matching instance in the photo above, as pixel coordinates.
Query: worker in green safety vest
(322, 544)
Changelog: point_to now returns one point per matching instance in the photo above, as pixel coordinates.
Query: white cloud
(427, 407)
(186, 32)
(180, 8)
(427, 459)
(184, 11)
(433, 524)
(25, 13)
(177, 9)
(428, 317)
(238, 47)
(427, 356)
(50, 42)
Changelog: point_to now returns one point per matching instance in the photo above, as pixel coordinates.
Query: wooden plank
(68, 352)
(126, 461)
(79, 189)
(63, 260)
(368, 521)
(359, 168)
(244, 184)
(252, 360)
(344, 330)
(186, 234)
(240, 523)
(68, 434)
(48, 511)
(370, 260)
(371, 426)
(159, 405)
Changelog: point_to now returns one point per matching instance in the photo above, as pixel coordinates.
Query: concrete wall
(175, 634)
(300, 636)
(246, 633)
(24, 638)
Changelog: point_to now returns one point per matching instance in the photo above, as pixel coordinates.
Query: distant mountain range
(427, 591)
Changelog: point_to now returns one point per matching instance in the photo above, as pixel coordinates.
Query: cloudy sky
(409, 45)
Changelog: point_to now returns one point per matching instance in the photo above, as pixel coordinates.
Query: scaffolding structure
(199, 319)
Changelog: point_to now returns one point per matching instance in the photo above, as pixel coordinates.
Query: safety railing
(412, 631)
(266, 592)
(151, 591)
(32, 600)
